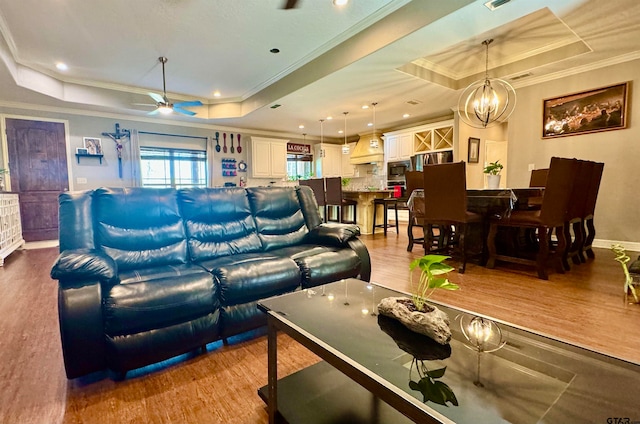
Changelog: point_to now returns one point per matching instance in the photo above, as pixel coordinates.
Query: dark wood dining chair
(590, 208)
(573, 227)
(548, 220)
(414, 180)
(445, 198)
(335, 200)
(538, 179)
(317, 186)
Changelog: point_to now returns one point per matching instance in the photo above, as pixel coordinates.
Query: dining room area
(548, 226)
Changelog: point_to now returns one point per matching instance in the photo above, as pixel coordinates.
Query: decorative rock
(434, 324)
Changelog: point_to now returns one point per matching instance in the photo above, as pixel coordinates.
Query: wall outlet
(532, 166)
(81, 180)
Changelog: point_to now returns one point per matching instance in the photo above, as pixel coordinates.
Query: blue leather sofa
(147, 274)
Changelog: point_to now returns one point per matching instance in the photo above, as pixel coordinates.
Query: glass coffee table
(376, 371)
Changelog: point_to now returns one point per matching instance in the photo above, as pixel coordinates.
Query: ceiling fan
(163, 105)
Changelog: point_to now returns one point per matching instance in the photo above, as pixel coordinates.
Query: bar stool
(386, 203)
(334, 199)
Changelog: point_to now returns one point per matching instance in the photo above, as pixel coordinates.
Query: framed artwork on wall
(93, 145)
(474, 150)
(600, 109)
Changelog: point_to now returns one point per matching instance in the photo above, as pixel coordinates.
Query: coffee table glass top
(531, 379)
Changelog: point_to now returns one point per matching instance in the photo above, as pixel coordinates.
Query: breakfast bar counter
(365, 197)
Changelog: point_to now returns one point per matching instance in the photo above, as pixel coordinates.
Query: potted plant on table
(415, 313)
(493, 170)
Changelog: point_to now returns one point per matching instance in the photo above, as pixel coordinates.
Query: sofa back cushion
(278, 216)
(139, 227)
(218, 222)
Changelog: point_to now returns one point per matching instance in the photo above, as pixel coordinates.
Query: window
(177, 168)
(299, 166)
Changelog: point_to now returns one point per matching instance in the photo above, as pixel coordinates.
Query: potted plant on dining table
(493, 170)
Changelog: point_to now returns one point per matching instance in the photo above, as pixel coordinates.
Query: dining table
(490, 204)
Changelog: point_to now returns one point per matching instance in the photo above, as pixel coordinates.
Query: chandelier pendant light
(487, 102)
(345, 146)
(373, 143)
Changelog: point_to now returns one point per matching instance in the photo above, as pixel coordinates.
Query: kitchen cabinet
(434, 137)
(268, 158)
(328, 160)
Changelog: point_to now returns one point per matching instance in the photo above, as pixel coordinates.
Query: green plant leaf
(437, 373)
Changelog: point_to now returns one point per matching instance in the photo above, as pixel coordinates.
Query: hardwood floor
(583, 306)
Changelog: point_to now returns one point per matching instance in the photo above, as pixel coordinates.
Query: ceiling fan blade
(158, 98)
(183, 111)
(290, 4)
(188, 104)
(145, 104)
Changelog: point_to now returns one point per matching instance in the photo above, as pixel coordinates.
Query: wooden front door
(38, 170)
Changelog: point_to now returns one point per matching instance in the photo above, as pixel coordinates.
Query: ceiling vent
(414, 102)
(517, 77)
(275, 106)
(494, 4)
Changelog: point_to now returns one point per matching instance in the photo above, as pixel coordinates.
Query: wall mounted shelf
(81, 155)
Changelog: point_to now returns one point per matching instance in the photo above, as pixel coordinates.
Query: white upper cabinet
(268, 158)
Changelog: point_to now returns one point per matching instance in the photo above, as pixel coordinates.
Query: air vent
(517, 77)
(275, 106)
(414, 102)
(494, 4)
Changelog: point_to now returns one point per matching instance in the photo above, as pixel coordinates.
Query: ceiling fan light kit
(163, 105)
(487, 102)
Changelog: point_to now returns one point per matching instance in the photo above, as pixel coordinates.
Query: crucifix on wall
(117, 137)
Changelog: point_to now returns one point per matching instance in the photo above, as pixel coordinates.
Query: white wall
(618, 207)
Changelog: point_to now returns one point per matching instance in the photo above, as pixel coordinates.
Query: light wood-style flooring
(584, 306)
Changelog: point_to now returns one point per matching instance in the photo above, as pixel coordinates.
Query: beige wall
(618, 204)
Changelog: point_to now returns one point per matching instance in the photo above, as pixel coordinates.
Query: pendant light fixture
(345, 146)
(487, 102)
(374, 143)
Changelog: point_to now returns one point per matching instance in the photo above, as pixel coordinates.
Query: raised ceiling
(409, 56)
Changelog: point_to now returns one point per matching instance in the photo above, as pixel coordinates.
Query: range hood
(363, 152)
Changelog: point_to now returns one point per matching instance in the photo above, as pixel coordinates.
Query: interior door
(38, 170)
(496, 150)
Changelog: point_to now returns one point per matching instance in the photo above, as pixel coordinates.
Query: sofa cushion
(328, 266)
(156, 303)
(251, 276)
(148, 274)
(218, 222)
(279, 219)
(139, 227)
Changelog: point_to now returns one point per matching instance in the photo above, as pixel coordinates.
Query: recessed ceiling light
(216, 94)
(406, 115)
(329, 118)
(275, 51)
(365, 106)
(61, 66)
(301, 126)
(370, 124)
(340, 2)
(340, 132)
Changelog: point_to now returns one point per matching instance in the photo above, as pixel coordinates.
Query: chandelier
(487, 102)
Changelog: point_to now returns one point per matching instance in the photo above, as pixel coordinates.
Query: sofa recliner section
(147, 274)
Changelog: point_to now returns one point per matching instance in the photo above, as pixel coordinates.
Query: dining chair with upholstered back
(538, 177)
(590, 207)
(317, 186)
(445, 198)
(414, 180)
(575, 213)
(334, 199)
(549, 219)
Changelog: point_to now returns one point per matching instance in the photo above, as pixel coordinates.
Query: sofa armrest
(365, 260)
(84, 264)
(333, 234)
